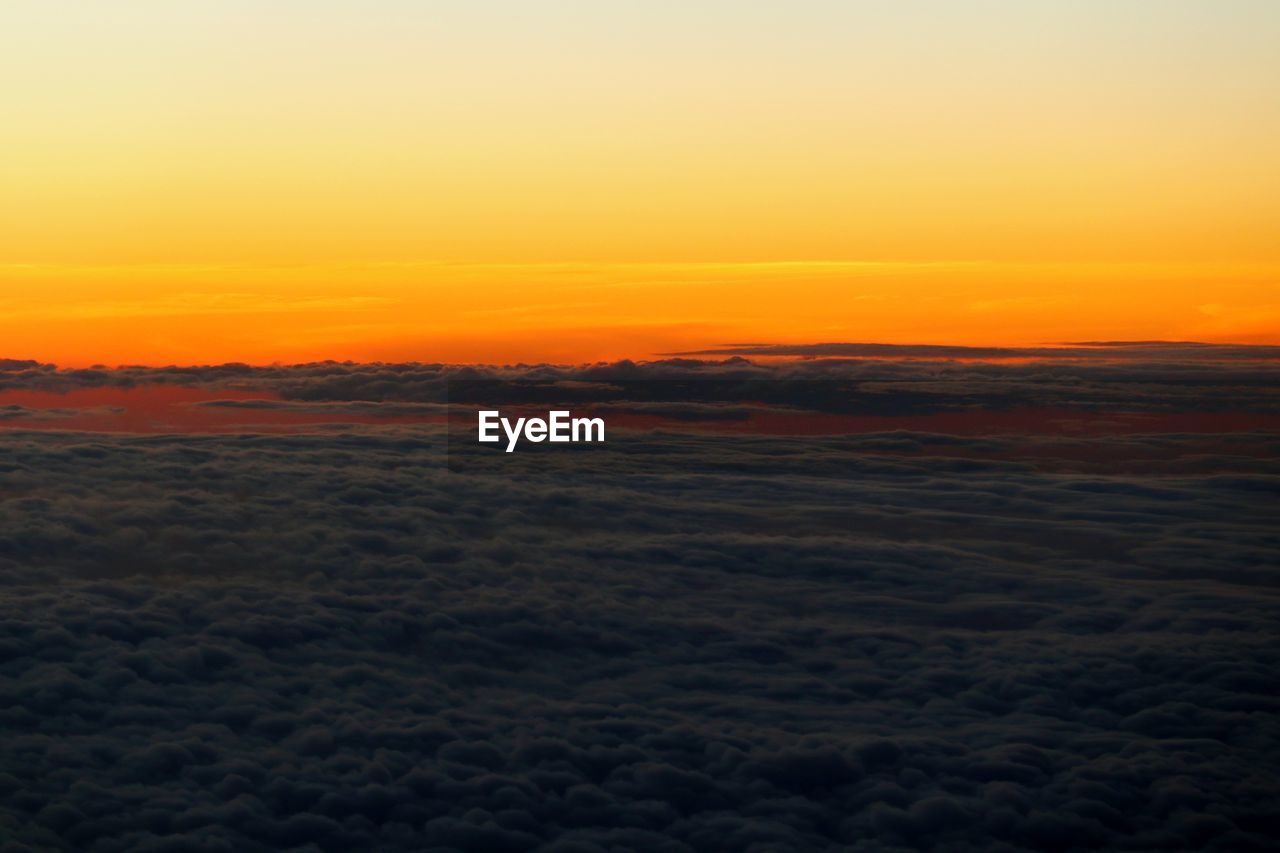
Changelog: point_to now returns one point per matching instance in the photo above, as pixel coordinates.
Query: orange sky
(208, 181)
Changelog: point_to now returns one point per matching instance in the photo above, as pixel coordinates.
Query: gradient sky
(209, 180)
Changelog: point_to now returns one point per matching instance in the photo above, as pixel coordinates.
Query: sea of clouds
(338, 640)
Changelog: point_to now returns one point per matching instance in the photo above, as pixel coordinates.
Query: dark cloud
(1136, 378)
(884, 641)
(16, 412)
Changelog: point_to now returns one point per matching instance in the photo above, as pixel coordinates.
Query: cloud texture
(673, 641)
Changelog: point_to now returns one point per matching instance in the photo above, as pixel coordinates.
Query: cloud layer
(672, 641)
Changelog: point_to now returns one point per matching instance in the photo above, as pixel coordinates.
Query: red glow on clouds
(160, 409)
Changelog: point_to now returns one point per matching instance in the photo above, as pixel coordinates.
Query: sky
(190, 182)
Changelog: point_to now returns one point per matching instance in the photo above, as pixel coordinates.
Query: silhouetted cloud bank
(673, 641)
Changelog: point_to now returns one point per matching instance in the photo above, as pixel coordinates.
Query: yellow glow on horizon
(591, 311)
